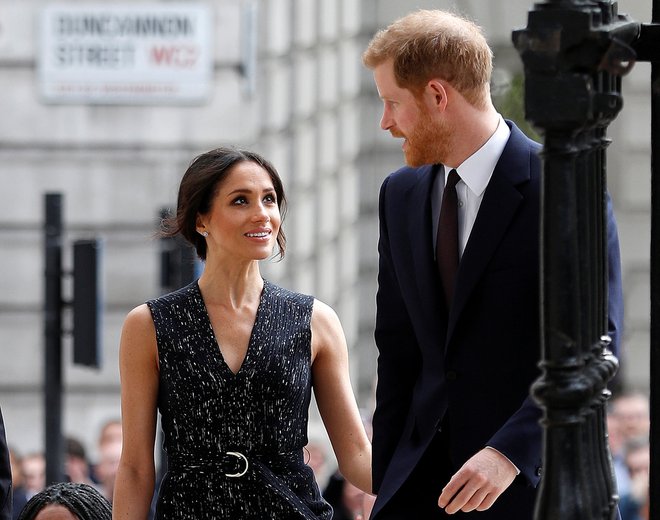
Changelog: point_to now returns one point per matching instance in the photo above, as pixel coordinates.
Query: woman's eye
(239, 200)
(270, 198)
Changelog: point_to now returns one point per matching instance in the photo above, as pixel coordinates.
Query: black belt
(234, 463)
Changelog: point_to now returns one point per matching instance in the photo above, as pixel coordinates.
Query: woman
(229, 361)
(67, 501)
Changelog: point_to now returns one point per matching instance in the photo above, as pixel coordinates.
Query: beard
(428, 142)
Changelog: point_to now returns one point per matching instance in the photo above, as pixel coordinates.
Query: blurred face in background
(106, 469)
(639, 462)
(34, 473)
(632, 415)
(111, 433)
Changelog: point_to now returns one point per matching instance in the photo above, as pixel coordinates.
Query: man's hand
(476, 486)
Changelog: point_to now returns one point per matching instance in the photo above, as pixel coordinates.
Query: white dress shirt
(475, 173)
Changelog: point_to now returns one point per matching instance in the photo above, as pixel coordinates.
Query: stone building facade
(291, 87)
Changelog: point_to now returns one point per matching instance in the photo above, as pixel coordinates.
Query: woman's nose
(261, 214)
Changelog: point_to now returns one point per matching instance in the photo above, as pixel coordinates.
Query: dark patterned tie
(446, 248)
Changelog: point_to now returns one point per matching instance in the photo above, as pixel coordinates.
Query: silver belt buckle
(238, 455)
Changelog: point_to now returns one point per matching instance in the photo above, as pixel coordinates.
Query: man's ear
(436, 94)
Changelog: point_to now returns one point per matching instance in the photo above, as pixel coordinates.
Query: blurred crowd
(628, 424)
(29, 470)
(29, 473)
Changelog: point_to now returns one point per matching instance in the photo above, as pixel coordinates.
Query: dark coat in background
(5, 476)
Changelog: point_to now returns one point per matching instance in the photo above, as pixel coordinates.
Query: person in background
(111, 433)
(108, 453)
(634, 504)
(77, 467)
(628, 419)
(457, 308)
(5, 475)
(67, 501)
(18, 483)
(107, 467)
(231, 361)
(616, 444)
(33, 467)
(631, 409)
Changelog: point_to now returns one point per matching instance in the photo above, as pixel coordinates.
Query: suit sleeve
(5, 476)
(615, 285)
(398, 354)
(520, 439)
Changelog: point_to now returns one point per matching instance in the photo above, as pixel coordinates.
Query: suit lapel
(498, 207)
(419, 229)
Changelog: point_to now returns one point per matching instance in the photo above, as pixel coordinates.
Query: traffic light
(87, 303)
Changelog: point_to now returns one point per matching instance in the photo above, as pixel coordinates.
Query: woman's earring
(204, 233)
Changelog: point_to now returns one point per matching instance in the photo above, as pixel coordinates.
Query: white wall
(313, 111)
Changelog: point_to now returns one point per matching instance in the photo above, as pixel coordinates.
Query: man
(76, 466)
(628, 418)
(634, 502)
(5, 476)
(632, 410)
(454, 428)
(106, 469)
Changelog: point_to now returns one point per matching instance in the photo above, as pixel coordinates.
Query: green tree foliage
(511, 104)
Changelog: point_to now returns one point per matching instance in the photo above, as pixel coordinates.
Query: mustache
(396, 133)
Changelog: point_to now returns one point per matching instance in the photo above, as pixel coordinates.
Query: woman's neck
(231, 285)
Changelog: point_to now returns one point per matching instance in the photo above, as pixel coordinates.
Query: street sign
(125, 53)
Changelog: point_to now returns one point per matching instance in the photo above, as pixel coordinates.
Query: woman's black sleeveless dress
(234, 442)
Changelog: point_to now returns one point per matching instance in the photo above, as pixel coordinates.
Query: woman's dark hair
(199, 185)
(84, 501)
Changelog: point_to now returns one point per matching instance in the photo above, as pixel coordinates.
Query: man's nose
(386, 119)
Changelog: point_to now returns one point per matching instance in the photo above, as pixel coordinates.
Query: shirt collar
(477, 169)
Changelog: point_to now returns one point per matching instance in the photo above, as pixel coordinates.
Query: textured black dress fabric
(261, 412)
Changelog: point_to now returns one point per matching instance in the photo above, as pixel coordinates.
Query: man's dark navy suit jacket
(470, 368)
